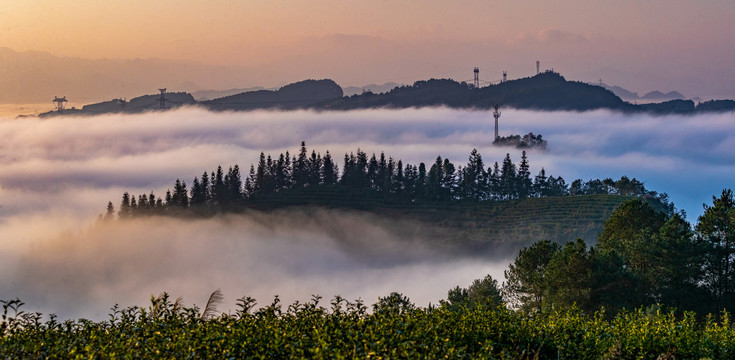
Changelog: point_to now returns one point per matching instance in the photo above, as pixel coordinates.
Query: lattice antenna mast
(505, 76)
(496, 115)
(59, 103)
(162, 99)
(538, 67)
(477, 77)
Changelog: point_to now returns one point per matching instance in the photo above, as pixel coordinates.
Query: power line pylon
(162, 99)
(59, 103)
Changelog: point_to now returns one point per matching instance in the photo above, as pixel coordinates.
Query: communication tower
(505, 76)
(477, 77)
(496, 115)
(538, 67)
(162, 99)
(59, 103)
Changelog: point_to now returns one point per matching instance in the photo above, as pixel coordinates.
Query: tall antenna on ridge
(496, 115)
(477, 77)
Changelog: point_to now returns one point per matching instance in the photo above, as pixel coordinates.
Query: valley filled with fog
(57, 175)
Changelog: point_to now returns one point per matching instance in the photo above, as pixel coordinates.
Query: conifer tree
(508, 179)
(420, 183)
(205, 185)
(398, 180)
(197, 198)
(125, 210)
(110, 213)
(524, 177)
(329, 170)
(315, 169)
(133, 206)
(218, 187)
(540, 184)
(301, 168)
(234, 184)
(494, 181)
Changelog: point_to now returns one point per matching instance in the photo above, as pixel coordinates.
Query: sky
(641, 45)
(58, 175)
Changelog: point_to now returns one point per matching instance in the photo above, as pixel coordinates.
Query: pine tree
(329, 170)
(540, 184)
(125, 210)
(315, 169)
(180, 198)
(474, 178)
(398, 180)
(205, 185)
(420, 183)
(494, 181)
(372, 172)
(234, 184)
(524, 177)
(301, 168)
(261, 175)
(449, 185)
(508, 179)
(434, 180)
(133, 206)
(110, 213)
(197, 198)
(218, 188)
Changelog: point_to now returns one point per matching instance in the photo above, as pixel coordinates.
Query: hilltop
(307, 93)
(547, 91)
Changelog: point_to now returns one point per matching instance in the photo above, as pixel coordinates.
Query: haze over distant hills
(36, 77)
(651, 96)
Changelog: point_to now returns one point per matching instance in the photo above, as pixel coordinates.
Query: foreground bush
(394, 328)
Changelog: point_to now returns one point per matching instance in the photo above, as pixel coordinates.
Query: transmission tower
(477, 77)
(162, 99)
(59, 103)
(538, 67)
(505, 76)
(496, 115)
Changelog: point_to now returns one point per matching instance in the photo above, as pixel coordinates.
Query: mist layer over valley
(58, 174)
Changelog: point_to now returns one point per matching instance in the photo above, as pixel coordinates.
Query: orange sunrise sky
(641, 45)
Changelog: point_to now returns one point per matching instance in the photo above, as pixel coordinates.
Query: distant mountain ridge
(547, 91)
(307, 93)
(655, 95)
(376, 88)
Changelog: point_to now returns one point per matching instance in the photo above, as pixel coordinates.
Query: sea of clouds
(57, 174)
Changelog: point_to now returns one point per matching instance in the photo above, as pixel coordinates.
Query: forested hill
(475, 208)
(545, 91)
(307, 93)
(548, 91)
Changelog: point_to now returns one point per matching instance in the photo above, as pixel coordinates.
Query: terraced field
(494, 226)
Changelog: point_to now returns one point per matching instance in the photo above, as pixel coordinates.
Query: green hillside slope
(498, 227)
